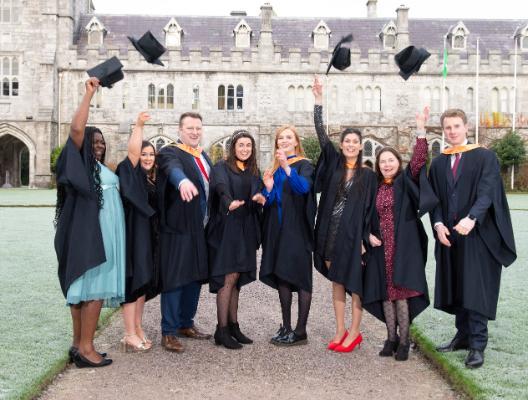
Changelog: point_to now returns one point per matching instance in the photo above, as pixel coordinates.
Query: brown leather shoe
(193, 333)
(171, 343)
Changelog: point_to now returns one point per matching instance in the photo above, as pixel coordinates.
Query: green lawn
(34, 322)
(26, 197)
(505, 372)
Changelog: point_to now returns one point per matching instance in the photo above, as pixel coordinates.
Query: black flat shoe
(474, 359)
(82, 362)
(234, 330)
(389, 348)
(73, 350)
(291, 339)
(454, 345)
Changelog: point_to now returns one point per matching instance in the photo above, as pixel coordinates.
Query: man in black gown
(474, 236)
(183, 190)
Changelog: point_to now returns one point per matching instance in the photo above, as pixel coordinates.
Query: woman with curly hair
(90, 232)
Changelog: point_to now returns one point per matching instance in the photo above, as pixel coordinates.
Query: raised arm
(419, 156)
(80, 117)
(136, 138)
(317, 90)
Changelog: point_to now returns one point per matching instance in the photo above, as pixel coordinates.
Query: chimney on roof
(238, 14)
(402, 27)
(266, 31)
(372, 11)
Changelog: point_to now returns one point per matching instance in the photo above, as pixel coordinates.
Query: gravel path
(258, 371)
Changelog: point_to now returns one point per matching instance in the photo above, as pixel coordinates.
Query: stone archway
(17, 157)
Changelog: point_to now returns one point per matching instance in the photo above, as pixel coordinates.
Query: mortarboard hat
(410, 59)
(341, 55)
(149, 47)
(108, 72)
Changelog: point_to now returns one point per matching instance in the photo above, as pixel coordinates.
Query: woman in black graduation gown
(90, 235)
(288, 233)
(138, 191)
(395, 284)
(233, 233)
(343, 222)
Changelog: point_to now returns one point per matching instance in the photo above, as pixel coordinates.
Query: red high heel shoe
(356, 342)
(333, 345)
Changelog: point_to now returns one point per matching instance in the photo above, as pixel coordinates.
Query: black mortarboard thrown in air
(108, 72)
(341, 55)
(410, 59)
(149, 47)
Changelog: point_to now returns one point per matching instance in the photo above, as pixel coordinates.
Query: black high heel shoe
(82, 362)
(73, 350)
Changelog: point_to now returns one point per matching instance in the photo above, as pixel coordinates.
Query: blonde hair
(299, 151)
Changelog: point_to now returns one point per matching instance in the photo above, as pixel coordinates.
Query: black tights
(304, 300)
(397, 315)
(227, 300)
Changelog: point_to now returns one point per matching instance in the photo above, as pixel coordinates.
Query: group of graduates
(171, 221)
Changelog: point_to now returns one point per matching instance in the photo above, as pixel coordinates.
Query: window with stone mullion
(9, 76)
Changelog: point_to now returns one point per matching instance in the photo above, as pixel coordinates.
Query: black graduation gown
(354, 225)
(233, 237)
(78, 238)
(412, 200)
(183, 248)
(287, 247)
(473, 283)
(140, 269)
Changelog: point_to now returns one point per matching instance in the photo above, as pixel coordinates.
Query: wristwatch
(472, 217)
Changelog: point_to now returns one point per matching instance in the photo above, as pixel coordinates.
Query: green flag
(444, 69)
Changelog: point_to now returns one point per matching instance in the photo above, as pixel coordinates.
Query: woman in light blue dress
(90, 235)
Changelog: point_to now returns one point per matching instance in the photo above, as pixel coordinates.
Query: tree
(55, 153)
(510, 151)
(311, 148)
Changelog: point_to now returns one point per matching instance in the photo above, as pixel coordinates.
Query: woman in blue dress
(90, 233)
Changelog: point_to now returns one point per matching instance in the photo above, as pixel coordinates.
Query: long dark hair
(395, 153)
(359, 161)
(151, 174)
(93, 170)
(251, 162)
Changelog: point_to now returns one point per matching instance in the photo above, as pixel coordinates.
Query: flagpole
(514, 117)
(444, 75)
(477, 116)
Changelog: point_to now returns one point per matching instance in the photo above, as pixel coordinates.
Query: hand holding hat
(108, 72)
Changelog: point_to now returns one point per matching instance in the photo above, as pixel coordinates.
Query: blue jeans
(178, 308)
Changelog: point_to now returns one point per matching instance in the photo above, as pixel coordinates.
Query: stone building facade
(243, 71)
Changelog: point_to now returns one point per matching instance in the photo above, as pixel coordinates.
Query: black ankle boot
(389, 348)
(234, 330)
(224, 338)
(402, 353)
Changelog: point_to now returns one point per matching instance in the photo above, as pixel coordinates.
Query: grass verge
(454, 372)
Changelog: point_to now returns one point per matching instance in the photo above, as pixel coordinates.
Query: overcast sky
(463, 9)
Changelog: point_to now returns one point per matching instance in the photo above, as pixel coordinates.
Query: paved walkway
(258, 371)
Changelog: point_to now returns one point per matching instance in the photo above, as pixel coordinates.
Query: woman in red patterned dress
(395, 284)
